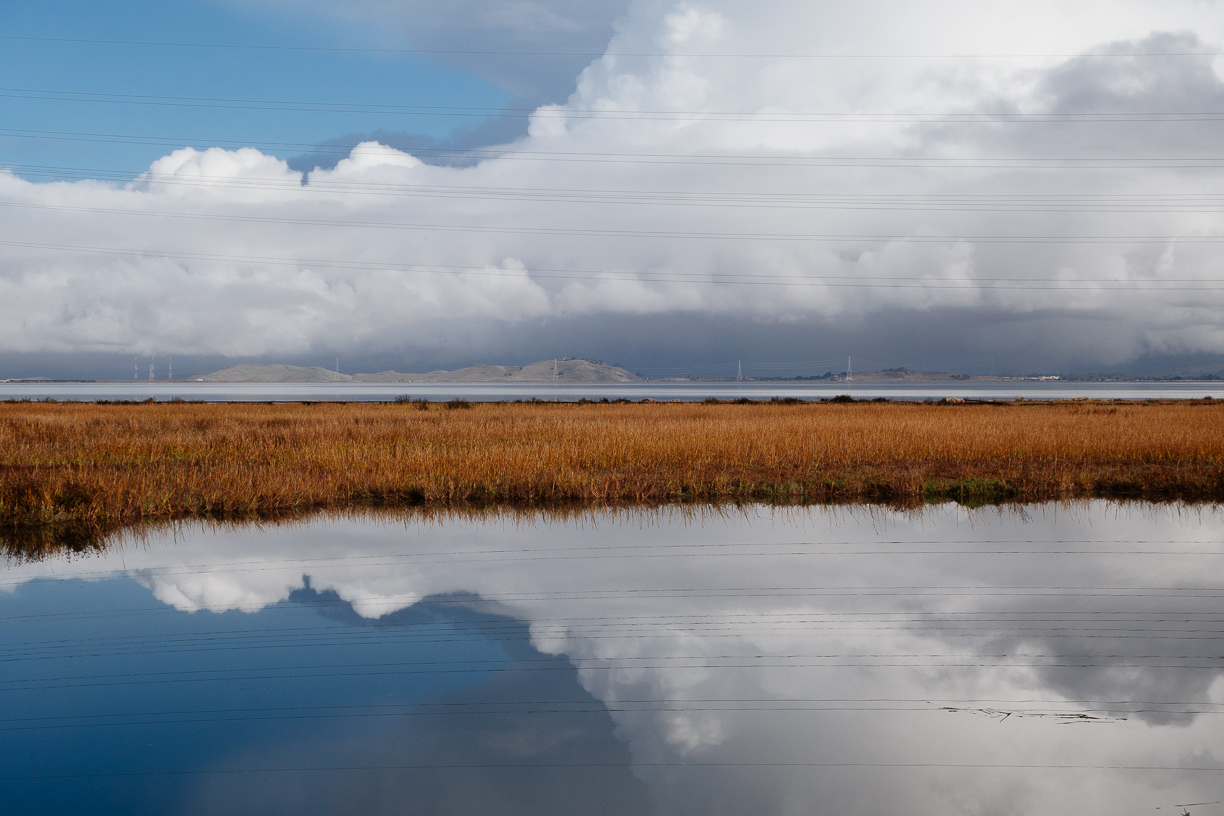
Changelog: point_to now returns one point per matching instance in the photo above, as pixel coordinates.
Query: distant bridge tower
(135, 368)
(849, 371)
(739, 371)
(170, 368)
(150, 366)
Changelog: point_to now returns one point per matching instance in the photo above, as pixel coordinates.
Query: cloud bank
(1053, 179)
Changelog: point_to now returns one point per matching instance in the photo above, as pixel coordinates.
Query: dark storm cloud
(959, 341)
(678, 345)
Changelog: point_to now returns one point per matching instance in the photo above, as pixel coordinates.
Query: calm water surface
(813, 661)
(486, 392)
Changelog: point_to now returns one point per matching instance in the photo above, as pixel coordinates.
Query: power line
(722, 279)
(1200, 202)
(667, 234)
(303, 182)
(824, 117)
(608, 157)
(598, 54)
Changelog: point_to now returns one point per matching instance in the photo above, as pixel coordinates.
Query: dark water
(809, 661)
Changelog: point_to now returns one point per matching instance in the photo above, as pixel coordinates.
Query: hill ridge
(566, 371)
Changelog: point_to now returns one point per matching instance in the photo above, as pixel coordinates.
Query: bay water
(753, 660)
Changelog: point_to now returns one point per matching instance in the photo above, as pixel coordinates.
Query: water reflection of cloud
(481, 749)
(828, 638)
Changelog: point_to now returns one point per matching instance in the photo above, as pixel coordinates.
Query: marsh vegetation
(99, 466)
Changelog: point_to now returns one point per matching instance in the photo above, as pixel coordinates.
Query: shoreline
(86, 468)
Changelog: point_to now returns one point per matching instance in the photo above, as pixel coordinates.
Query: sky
(1013, 187)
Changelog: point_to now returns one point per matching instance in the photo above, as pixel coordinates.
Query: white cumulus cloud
(674, 181)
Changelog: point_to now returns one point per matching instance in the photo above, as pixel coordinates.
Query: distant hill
(905, 375)
(567, 371)
(253, 373)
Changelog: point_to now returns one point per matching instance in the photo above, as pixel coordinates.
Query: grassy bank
(96, 467)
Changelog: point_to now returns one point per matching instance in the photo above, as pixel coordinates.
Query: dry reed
(93, 467)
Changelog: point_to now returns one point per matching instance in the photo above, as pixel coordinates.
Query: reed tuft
(98, 466)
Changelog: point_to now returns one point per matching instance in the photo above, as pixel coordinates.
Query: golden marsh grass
(98, 466)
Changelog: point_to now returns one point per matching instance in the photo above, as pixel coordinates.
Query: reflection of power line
(715, 630)
(401, 669)
(1074, 621)
(616, 768)
(577, 635)
(540, 707)
(756, 551)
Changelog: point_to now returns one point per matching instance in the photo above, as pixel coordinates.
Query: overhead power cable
(597, 54)
(1196, 202)
(512, 153)
(484, 112)
(323, 180)
(647, 234)
(728, 279)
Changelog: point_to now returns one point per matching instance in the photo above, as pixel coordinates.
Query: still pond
(749, 662)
